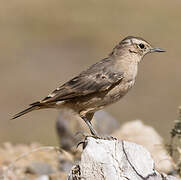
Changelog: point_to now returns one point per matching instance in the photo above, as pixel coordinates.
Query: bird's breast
(130, 72)
(120, 90)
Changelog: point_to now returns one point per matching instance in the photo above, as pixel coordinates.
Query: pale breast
(131, 72)
(119, 91)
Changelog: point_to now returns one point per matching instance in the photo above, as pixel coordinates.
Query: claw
(103, 137)
(109, 138)
(84, 144)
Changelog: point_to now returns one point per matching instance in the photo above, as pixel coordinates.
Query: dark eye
(142, 46)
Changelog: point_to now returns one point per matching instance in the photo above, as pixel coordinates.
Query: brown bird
(101, 84)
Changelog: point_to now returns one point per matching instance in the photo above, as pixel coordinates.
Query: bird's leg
(92, 130)
(87, 120)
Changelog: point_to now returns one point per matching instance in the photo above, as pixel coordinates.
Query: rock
(40, 168)
(43, 177)
(115, 160)
(65, 165)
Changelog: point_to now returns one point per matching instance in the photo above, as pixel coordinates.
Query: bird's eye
(142, 46)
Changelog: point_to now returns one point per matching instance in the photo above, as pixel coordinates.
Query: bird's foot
(86, 135)
(108, 138)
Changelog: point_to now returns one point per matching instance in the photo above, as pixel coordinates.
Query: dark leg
(92, 130)
(87, 120)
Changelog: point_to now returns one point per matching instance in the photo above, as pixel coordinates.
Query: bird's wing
(99, 77)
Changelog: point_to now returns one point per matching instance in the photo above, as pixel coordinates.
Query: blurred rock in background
(136, 131)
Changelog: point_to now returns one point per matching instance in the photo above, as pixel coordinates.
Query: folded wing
(99, 77)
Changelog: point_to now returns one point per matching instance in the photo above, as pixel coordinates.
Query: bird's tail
(32, 108)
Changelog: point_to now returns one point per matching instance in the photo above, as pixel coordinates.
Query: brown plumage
(101, 84)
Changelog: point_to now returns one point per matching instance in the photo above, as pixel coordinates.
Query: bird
(102, 84)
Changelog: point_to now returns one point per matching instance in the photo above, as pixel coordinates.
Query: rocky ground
(38, 162)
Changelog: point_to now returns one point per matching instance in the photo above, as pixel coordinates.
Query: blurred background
(44, 43)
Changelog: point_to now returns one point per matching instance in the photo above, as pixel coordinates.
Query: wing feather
(99, 77)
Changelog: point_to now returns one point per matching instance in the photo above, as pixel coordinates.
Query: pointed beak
(157, 50)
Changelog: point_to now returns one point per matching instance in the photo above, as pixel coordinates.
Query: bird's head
(135, 45)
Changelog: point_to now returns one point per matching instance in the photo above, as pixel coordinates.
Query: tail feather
(25, 111)
(37, 103)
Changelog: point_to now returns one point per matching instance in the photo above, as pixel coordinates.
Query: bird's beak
(157, 50)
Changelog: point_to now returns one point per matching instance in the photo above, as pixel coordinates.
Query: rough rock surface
(115, 160)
